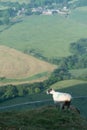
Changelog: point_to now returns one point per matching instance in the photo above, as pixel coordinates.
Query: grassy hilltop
(46, 118)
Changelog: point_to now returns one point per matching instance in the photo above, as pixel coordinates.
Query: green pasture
(67, 83)
(79, 73)
(75, 87)
(49, 35)
(79, 15)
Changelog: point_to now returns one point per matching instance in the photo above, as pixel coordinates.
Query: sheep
(61, 99)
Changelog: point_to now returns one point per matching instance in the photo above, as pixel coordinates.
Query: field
(49, 35)
(16, 66)
(79, 73)
(79, 15)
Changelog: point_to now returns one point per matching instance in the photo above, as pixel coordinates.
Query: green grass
(67, 83)
(45, 118)
(79, 73)
(79, 15)
(50, 35)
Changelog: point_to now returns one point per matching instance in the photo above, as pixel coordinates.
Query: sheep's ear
(51, 89)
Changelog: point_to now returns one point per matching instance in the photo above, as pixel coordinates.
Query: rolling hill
(15, 64)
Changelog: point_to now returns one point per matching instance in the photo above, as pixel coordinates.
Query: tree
(10, 92)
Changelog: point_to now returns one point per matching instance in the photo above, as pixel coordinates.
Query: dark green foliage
(10, 92)
(79, 47)
(79, 57)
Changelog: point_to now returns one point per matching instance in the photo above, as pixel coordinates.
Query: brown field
(15, 64)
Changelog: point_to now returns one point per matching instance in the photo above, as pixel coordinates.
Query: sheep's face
(50, 91)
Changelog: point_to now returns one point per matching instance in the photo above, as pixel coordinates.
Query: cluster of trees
(10, 11)
(12, 91)
(59, 3)
(79, 57)
(4, 17)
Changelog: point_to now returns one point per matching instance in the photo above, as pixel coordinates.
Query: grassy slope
(15, 64)
(50, 35)
(46, 118)
(79, 15)
(79, 72)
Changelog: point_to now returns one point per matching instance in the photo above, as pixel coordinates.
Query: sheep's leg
(62, 105)
(57, 104)
(67, 104)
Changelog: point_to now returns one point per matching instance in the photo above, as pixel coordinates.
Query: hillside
(50, 36)
(46, 118)
(14, 64)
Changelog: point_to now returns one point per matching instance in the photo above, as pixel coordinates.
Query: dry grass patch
(15, 64)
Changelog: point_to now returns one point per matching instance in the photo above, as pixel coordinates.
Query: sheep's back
(62, 97)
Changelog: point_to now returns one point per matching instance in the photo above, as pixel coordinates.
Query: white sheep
(62, 99)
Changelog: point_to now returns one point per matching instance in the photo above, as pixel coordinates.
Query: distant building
(47, 12)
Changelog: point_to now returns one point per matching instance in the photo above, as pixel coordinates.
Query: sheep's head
(50, 91)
